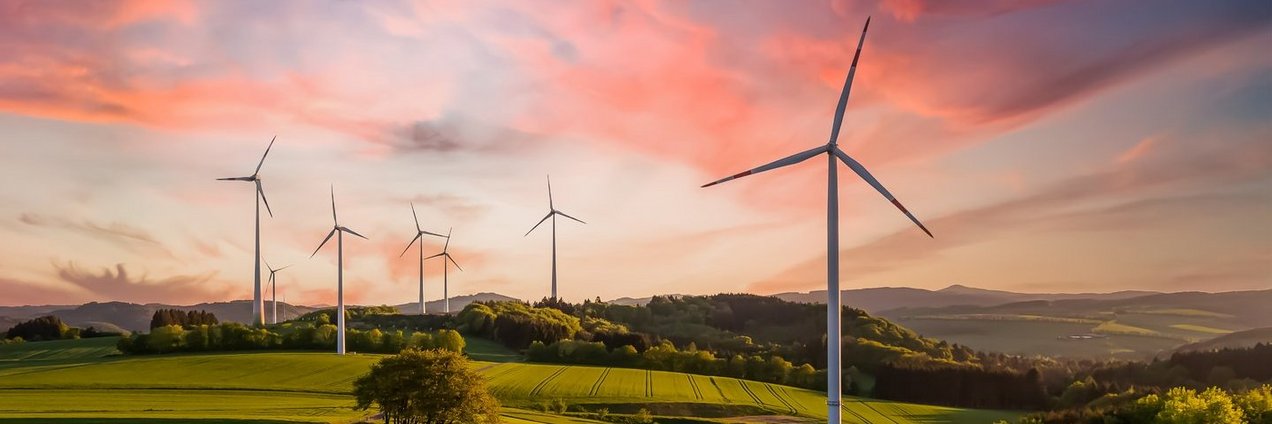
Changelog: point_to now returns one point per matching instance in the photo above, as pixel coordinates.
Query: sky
(1050, 146)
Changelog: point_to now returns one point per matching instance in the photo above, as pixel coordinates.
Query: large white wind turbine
(338, 231)
(419, 235)
(273, 291)
(832, 151)
(552, 213)
(445, 255)
(258, 306)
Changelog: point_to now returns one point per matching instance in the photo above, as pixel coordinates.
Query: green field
(74, 386)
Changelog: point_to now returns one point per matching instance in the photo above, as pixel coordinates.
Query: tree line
(166, 317)
(50, 328)
(235, 336)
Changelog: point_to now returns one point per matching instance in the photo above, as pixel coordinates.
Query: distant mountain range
(879, 299)
(136, 317)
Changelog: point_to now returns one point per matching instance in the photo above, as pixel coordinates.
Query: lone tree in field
(426, 387)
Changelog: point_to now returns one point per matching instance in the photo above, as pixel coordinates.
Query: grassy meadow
(1132, 334)
(79, 381)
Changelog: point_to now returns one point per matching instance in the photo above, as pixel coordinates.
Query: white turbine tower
(552, 213)
(445, 255)
(832, 151)
(419, 235)
(338, 231)
(273, 291)
(258, 306)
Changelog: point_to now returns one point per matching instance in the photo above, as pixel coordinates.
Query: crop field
(313, 387)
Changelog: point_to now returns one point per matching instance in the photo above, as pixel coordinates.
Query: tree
(426, 387)
(42, 328)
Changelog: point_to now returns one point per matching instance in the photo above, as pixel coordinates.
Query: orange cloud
(1138, 150)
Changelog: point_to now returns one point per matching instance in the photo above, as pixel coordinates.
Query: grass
(1113, 327)
(59, 349)
(1039, 337)
(1200, 329)
(313, 387)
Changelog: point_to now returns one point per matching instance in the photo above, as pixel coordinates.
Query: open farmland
(313, 387)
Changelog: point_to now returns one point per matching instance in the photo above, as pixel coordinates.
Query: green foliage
(234, 336)
(42, 328)
(325, 316)
(166, 317)
(426, 386)
(517, 325)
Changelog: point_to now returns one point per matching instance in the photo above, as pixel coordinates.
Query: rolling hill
(1130, 328)
(1237, 339)
(313, 387)
(136, 317)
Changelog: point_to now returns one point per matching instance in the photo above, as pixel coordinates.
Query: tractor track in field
(780, 398)
(649, 383)
(748, 391)
(596, 387)
(719, 390)
(694, 385)
(889, 417)
(845, 407)
(500, 370)
(542, 384)
(788, 396)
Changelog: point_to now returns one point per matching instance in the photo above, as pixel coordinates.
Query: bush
(430, 386)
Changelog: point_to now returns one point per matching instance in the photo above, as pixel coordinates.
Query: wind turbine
(832, 151)
(552, 213)
(273, 290)
(258, 307)
(419, 235)
(338, 231)
(445, 267)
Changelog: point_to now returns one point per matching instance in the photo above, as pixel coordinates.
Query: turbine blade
(261, 192)
(324, 241)
(567, 216)
(452, 260)
(789, 160)
(447, 245)
(347, 230)
(843, 96)
(409, 244)
(431, 234)
(549, 192)
(416, 216)
(434, 256)
(235, 179)
(333, 206)
(865, 175)
(545, 218)
(271, 269)
(284, 267)
(258, 166)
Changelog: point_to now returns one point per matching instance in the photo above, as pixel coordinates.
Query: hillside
(313, 387)
(1129, 328)
(880, 299)
(136, 317)
(1238, 339)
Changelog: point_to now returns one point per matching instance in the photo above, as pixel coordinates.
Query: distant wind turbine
(445, 267)
(832, 151)
(552, 213)
(258, 306)
(273, 290)
(338, 231)
(419, 235)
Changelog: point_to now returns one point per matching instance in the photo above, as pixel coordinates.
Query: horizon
(1103, 149)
